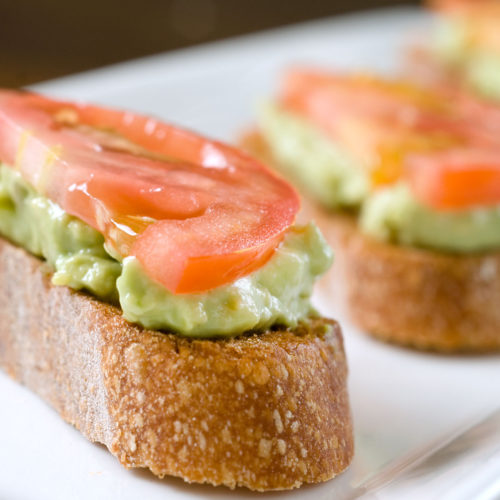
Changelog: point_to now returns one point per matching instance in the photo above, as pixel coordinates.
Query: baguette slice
(413, 297)
(266, 411)
(419, 298)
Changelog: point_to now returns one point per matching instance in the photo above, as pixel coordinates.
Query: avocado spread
(312, 159)
(480, 66)
(393, 214)
(277, 293)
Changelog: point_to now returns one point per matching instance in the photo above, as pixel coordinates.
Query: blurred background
(43, 39)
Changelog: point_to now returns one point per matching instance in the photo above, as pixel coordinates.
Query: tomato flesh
(444, 142)
(196, 213)
(455, 180)
(377, 121)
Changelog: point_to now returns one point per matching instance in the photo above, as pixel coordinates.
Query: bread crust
(413, 297)
(267, 411)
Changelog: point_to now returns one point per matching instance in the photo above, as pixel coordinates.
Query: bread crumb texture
(267, 411)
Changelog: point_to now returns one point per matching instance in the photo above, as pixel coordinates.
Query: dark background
(42, 39)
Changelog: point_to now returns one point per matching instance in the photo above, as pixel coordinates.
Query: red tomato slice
(471, 10)
(382, 122)
(455, 180)
(328, 98)
(391, 108)
(378, 121)
(463, 6)
(196, 213)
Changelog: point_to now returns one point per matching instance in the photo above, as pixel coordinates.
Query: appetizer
(466, 45)
(405, 183)
(156, 292)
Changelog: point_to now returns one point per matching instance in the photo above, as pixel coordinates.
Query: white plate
(406, 405)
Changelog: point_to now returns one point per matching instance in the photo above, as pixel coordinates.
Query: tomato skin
(196, 213)
(455, 180)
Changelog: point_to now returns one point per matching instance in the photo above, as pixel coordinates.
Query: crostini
(155, 291)
(405, 183)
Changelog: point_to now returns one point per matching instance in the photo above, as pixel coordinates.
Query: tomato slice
(383, 123)
(328, 98)
(470, 10)
(457, 179)
(196, 213)
(389, 109)
(377, 121)
(465, 6)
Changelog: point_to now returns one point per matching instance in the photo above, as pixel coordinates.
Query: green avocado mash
(277, 293)
(71, 247)
(480, 67)
(394, 215)
(312, 159)
(483, 73)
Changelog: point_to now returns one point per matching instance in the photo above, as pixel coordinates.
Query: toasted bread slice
(267, 411)
(414, 297)
(419, 298)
